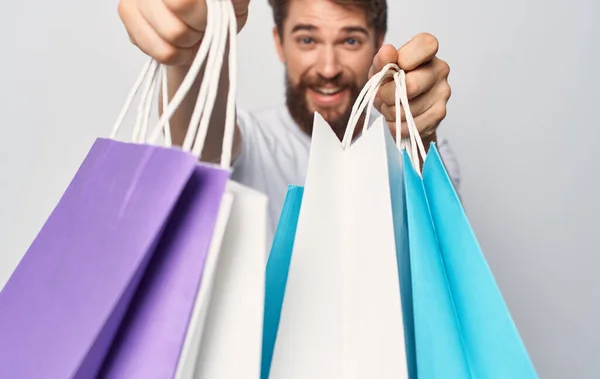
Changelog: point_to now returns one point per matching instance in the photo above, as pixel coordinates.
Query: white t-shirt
(274, 154)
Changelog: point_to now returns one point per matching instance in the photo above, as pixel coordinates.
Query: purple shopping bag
(62, 306)
(153, 332)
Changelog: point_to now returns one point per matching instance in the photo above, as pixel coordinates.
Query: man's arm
(181, 118)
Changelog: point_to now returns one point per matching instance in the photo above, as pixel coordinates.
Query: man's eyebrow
(356, 29)
(346, 29)
(304, 27)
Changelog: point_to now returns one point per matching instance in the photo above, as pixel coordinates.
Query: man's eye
(307, 40)
(352, 41)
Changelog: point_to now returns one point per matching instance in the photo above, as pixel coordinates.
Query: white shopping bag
(342, 313)
(231, 344)
(225, 334)
(191, 346)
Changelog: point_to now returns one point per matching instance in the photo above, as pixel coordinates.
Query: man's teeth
(328, 91)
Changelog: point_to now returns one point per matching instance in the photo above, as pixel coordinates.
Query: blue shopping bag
(278, 266)
(400, 217)
(437, 335)
(491, 343)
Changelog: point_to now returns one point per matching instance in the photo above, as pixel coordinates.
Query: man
(329, 48)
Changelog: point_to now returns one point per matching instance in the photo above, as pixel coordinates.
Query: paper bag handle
(221, 21)
(225, 26)
(366, 97)
(414, 142)
(149, 68)
(229, 28)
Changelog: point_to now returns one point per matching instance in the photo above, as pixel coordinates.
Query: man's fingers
(147, 39)
(421, 49)
(192, 12)
(426, 122)
(418, 106)
(378, 103)
(170, 27)
(418, 82)
(387, 54)
(421, 80)
(426, 85)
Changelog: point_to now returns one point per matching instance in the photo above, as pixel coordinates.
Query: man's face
(328, 50)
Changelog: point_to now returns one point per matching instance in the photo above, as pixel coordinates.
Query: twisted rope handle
(221, 23)
(414, 144)
(366, 97)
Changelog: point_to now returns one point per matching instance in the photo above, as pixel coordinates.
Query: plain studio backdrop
(522, 120)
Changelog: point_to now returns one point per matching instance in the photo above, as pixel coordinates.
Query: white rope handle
(147, 94)
(210, 85)
(190, 77)
(146, 106)
(375, 90)
(401, 142)
(367, 87)
(148, 67)
(412, 144)
(145, 79)
(221, 23)
(415, 142)
(225, 25)
(194, 127)
(366, 97)
(230, 121)
(165, 104)
(405, 144)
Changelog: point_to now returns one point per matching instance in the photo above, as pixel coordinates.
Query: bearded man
(330, 48)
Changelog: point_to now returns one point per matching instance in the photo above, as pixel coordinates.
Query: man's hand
(170, 31)
(426, 82)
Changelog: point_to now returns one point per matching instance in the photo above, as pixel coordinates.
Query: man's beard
(300, 112)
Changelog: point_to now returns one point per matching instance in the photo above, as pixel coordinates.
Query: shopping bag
(463, 327)
(62, 306)
(151, 340)
(278, 265)
(491, 342)
(157, 321)
(231, 344)
(191, 347)
(437, 335)
(281, 252)
(342, 314)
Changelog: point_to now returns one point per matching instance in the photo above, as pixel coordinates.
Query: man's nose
(329, 65)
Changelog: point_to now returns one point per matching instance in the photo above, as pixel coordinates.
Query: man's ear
(380, 40)
(278, 44)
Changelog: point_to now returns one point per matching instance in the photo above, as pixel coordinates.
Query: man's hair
(376, 11)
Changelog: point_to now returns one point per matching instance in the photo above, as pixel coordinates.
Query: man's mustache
(319, 81)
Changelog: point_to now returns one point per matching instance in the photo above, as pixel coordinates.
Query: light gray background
(522, 120)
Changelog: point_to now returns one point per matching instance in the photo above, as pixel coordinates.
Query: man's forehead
(320, 14)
